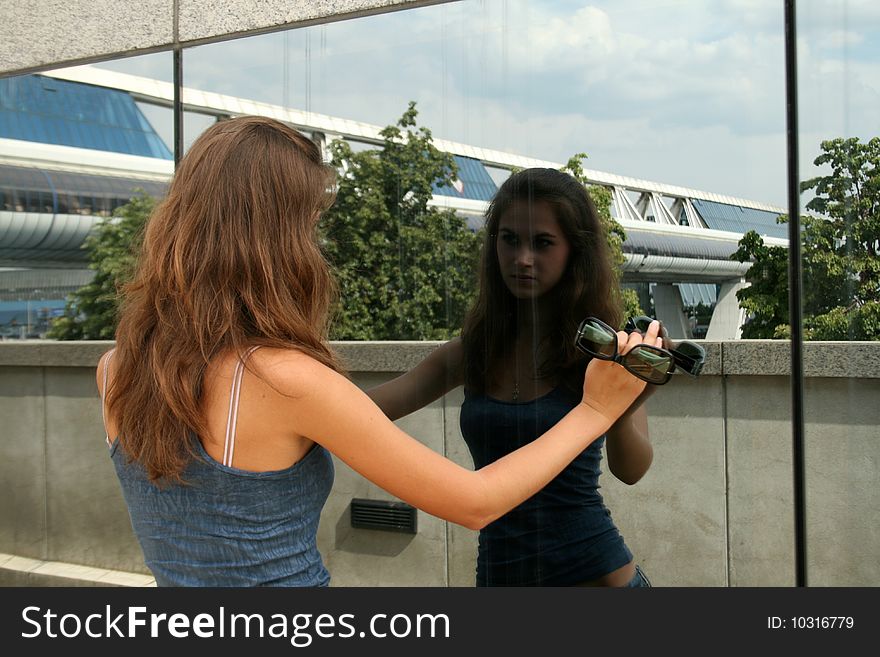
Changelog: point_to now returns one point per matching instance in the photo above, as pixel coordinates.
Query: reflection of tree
(91, 311)
(406, 270)
(841, 295)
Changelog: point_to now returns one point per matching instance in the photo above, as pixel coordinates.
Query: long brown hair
(589, 285)
(229, 259)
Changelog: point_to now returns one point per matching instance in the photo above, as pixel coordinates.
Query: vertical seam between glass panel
(795, 285)
(446, 533)
(724, 439)
(177, 109)
(45, 464)
(177, 76)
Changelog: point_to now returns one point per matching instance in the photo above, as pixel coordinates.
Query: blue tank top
(230, 527)
(226, 526)
(561, 536)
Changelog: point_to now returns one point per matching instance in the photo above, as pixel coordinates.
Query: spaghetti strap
(104, 396)
(232, 416)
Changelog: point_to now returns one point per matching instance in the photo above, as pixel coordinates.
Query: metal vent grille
(382, 515)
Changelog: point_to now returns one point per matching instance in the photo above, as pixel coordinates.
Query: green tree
(615, 233)
(766, 299)
(91, 312)
(841, 268)
(406, 269)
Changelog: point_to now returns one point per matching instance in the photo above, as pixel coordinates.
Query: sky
(684, 92)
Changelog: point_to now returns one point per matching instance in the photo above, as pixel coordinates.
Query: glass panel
(839, 166)
(43, 118)
(680, 109)
(52, 108)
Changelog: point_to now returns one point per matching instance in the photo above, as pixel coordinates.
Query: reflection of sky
(679, 91)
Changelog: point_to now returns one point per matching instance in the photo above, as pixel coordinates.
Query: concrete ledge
(52, 353)
(383, 356)
(733, 358)
(357, 356)
(834, 360)
(21, 571)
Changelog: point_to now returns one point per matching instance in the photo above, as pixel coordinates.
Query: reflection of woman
(225, 397)
(545, 267)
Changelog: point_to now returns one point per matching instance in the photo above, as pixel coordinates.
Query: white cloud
(682, 91)
(840, 39)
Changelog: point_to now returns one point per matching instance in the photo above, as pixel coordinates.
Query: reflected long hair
(230, 259)
(589, 285)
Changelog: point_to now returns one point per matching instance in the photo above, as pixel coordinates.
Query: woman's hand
(608, 388)
(665, 343)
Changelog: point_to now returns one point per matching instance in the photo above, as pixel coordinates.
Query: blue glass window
(50, 111)
(473, 181)
(736, 219)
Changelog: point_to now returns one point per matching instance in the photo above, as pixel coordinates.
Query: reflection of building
(70, 154)
(74, 145)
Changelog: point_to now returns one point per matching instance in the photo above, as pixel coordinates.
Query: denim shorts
(639, 580)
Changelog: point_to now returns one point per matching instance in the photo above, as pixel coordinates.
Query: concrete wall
(51, 33)
(714, 510)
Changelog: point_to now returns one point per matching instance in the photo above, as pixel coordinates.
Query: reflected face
(532, 249)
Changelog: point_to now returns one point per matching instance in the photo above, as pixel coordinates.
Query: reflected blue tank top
(561, 536)
(230, 527)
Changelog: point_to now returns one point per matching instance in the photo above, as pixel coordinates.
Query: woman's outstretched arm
(628, 446)
(437, 374)
(321, 405)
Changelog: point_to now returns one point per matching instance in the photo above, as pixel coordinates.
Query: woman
(545, 267)
(224, 400)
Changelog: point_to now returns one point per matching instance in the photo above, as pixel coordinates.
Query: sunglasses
(647, 362)
(689, 356)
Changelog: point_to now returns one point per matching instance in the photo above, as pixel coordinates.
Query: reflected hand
(608, 388)
(662, 341)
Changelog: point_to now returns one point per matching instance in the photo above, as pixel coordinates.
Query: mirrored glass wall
(673, 115)
(839, 170)
(76, 144)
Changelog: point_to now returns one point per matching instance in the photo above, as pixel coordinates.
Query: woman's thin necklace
(516, 385)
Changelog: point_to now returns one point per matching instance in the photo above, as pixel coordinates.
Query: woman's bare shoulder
(103, 364)
(290, 371)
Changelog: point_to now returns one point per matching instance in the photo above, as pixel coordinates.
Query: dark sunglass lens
(653, 366)
(692, 350)
(597, 340)
(690, 357)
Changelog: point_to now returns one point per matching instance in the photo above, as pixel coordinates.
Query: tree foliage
(91, 311)
(841, 268)
(406, 269)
